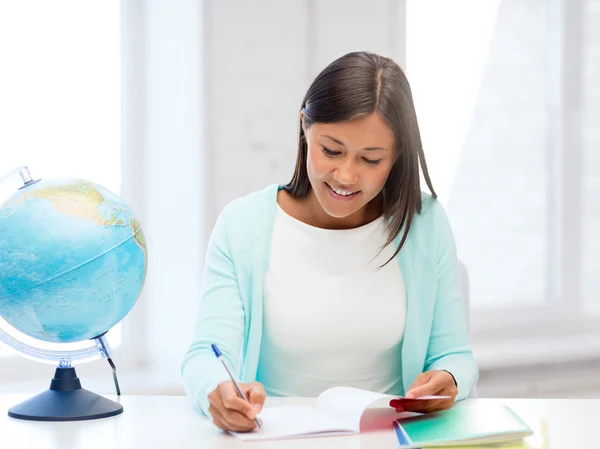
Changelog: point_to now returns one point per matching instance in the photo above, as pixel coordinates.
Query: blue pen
(217, 352)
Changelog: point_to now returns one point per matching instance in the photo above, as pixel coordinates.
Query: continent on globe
(73, 260)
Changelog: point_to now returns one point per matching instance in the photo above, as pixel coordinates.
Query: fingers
(217, 418)
(231, 420)
(434, 405)
(232, 413)
(421, 380)
(256, 395)
(429, 383)
(232, 401)
(438, 383)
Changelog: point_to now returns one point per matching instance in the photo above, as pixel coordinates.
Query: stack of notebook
(462, 426)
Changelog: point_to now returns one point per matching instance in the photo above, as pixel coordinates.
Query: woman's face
(349, 162)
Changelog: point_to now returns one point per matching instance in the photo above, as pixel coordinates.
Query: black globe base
(65, 401)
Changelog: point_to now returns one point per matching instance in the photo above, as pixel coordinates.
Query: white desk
(150, 422)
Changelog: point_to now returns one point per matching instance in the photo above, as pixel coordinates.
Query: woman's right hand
(232, 413)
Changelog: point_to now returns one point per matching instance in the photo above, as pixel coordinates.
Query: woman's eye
(372, 161)
(329, 152)
(332, 153)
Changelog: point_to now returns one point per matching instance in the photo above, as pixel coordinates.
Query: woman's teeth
(341, 192)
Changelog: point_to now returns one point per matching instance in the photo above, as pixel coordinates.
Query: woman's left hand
(430, 383)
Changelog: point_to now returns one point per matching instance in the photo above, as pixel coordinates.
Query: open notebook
(337, 411)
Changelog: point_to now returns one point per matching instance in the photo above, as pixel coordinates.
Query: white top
(331, 316)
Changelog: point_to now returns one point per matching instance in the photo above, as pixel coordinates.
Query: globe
(73, 262)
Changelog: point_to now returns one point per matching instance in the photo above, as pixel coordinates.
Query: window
(480, 90)
(511, 137)
(591, 153)
(60, 91)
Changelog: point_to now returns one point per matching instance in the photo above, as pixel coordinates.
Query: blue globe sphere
(73, 260)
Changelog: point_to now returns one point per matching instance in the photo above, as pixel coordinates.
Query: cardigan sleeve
(448, 347)
(220, 320)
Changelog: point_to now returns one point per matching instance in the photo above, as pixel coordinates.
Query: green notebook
(460, 426)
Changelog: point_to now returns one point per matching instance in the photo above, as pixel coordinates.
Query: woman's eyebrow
(339, 142)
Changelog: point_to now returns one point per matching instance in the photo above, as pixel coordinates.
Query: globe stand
(65, 400)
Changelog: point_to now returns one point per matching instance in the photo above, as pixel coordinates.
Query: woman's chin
(339, 211)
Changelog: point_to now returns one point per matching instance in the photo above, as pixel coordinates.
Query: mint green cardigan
(230, 310)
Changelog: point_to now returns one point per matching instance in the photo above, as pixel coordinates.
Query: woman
(347, 275)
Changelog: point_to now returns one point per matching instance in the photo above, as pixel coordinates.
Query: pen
(219, 356)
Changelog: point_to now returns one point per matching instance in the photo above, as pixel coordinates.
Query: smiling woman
(361, 109)
(298, 290)
(354, 164)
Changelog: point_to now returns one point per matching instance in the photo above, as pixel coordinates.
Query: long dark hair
(356, 85)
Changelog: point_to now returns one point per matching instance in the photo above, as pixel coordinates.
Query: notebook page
(348, 404)
(292, 421)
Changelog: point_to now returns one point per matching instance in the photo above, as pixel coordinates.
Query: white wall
(260, 59)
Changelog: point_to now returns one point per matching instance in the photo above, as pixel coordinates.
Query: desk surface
(170, 422)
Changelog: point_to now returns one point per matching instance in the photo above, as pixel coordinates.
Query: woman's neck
(310, 211)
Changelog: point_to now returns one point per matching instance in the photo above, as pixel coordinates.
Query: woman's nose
(345, 176)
